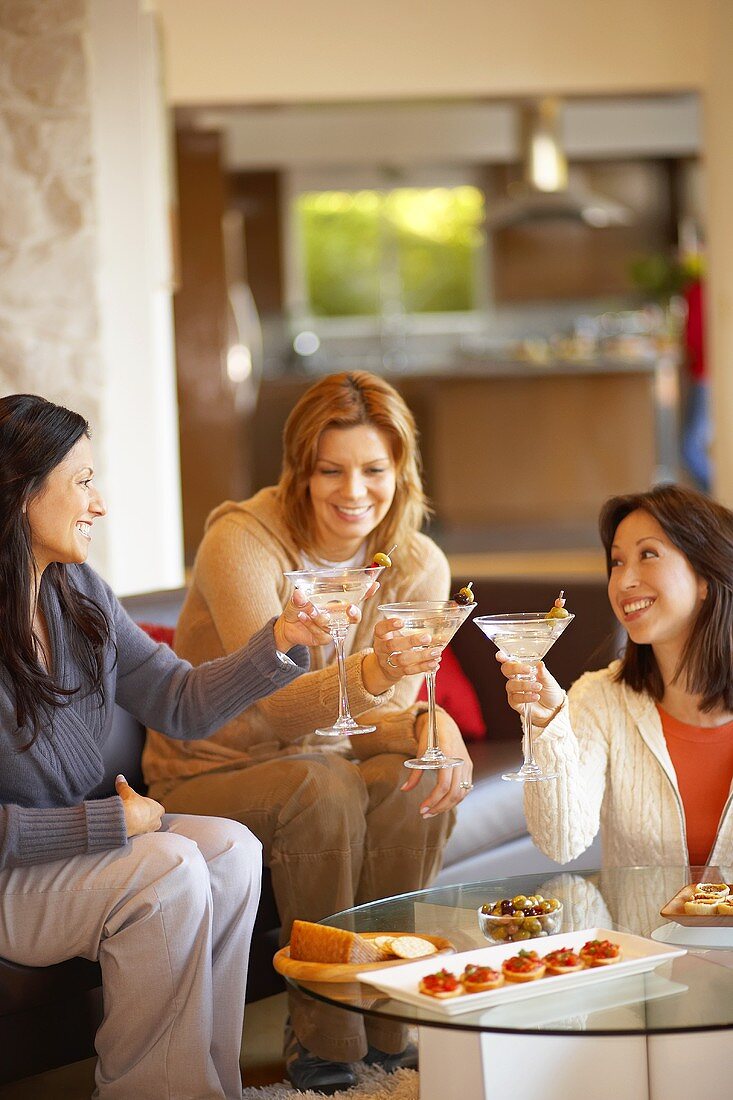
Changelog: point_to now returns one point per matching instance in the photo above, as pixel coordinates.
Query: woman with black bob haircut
(165, 903)
(644, 748)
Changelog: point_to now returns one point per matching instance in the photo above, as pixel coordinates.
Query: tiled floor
(261, 1060)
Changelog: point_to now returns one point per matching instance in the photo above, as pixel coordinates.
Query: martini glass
(525, 638)
(333, 591)
(440, 619)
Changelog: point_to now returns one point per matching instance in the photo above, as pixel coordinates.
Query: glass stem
(527, 730)
(344, 713)
(432, 746)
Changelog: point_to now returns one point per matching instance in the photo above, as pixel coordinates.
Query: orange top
(703, 762)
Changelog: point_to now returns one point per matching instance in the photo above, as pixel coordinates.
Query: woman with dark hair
(341, 823)
(165, 903)
(644, 748)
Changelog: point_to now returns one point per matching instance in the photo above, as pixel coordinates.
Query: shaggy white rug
(372, 1084)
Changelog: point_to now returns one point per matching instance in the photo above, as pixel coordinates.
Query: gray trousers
(169, 917)
(336, 833)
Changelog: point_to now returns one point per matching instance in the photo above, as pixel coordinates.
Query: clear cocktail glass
(333, 591)
(525, 638)
(440, 619)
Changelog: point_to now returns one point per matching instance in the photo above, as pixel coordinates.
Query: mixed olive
(383, 561)
(465, 595)
(558, 611)
(520, 918)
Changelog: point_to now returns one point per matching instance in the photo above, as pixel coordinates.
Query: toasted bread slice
(321, 943)
(477, 979)
(442, 985)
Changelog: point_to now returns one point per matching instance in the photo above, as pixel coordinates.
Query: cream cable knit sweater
(616, 774)
(237, 586)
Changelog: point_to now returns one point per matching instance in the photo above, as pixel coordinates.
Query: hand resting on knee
(142, 815)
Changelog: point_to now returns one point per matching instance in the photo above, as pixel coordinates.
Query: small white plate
(688, 936)
(638, 955)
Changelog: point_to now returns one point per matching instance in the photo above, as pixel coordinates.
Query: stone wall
(48, 309)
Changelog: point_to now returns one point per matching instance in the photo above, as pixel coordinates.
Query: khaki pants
(335, 834)
(169, 917)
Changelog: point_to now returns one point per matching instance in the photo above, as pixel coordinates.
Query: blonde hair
(348, 400)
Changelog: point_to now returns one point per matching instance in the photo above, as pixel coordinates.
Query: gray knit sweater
(43, 812)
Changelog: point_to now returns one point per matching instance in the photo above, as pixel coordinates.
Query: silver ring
(465, 786)
(390, 662)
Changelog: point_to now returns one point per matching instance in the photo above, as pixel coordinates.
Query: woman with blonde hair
(340, 823)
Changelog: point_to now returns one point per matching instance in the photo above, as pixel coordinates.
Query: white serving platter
(638, 955)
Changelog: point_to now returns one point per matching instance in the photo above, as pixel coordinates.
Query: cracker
(412, 947)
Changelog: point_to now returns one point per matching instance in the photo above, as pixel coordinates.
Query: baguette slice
(702, 907)
(711, 890)
(320, 943)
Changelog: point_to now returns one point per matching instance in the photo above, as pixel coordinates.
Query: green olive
(522, 934)
(519, 901)
(546, 906)
(554, 904)
(499, 933)
(382, 559)
(557, 613)
(533, 926)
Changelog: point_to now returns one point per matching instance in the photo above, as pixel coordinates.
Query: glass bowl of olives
(520, 918)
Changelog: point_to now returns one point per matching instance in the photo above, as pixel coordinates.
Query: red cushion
(158, 632)
(455, 693)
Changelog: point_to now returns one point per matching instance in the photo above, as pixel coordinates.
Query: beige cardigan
(237, 586)
(615, 773)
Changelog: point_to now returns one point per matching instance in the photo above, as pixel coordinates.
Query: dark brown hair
(35, 436)
(349, 400)
(703, 531)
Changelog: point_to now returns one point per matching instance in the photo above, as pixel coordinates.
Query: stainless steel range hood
(544, 192)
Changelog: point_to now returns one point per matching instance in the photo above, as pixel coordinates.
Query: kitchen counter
(507, 441)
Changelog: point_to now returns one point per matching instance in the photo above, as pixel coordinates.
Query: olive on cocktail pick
(465, 595)
(557, 611)
(383, 561)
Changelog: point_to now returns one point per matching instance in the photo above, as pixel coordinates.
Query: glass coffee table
(661, 1034)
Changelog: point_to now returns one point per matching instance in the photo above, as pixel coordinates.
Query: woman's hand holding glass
(543, 691)
(451, 784)
(302, 624)
(397, 655)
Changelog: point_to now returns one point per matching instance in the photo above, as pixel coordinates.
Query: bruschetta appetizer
(600, 953)
(563, 961)
(527, 966)
(441, 985)
(477, 979)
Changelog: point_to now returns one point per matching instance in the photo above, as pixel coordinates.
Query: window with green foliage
(411, 250)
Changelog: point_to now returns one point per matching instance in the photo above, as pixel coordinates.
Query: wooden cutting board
(344, 972)
(675, 910)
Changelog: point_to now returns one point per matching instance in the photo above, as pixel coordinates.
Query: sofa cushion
(493, 812)
(456, 694)
(158, 632)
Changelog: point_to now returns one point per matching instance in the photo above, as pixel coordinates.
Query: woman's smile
(654, 591)
(351, 488)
